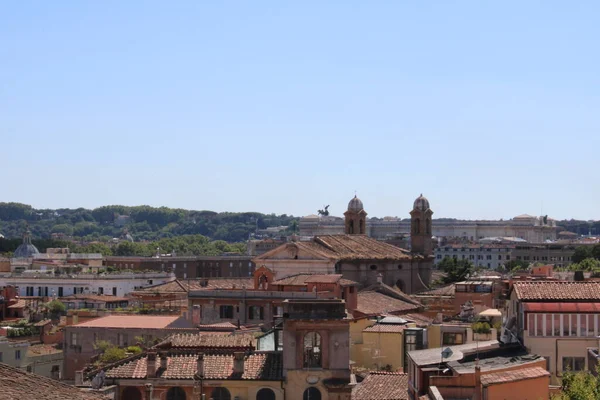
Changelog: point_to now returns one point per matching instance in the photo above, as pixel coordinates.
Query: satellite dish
(447, 352)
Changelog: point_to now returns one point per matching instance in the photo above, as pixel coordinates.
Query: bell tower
(420, 227)
(355, 218)
(316, 349)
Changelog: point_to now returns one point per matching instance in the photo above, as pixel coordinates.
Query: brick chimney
(478, 389)
(151, 365)
(163, 360)
(200, 365)
(238, 362)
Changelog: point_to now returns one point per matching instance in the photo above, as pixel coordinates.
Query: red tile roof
(209, 341)
(182, 365)
(18, 384)
(41, 349)
(94, 297)
(562, 307)
(385, 328)
(347, 247)
(513, 376)
(324, 278)
(382, 386)
(184, 286)
(136, 321)
(442, 291)
(563, 291)
(371, 302)
(302, 279)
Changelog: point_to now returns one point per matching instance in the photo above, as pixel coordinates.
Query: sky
(490, 109)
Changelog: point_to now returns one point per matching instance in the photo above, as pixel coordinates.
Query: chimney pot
(151, 365)
(238, 362)
(163, 360)
(200, 365)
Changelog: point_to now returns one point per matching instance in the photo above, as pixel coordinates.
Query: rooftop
(348, 247)
(209, 341)
(137, 321)
(513, 376)
(18, 384)
(302, 279)
(553, 290)
(183, 365)
(495, 359)
(433, 356)
(382, 386)
(371, 302)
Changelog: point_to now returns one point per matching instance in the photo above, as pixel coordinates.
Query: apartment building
(558, 320)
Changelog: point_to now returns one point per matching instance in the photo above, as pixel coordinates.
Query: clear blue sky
(488, 108)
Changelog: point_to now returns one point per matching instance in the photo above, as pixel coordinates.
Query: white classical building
(527, 227)
(50, 285)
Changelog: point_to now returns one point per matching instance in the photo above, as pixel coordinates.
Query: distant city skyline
(489, 110)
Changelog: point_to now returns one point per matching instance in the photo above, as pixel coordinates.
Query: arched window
(361, 226)
(131, 393)
(428, 226)
(220, 393)
(265, 394)
(176, 393)
(351, 227)
(312, 350)
(417, 227)
(312, 393)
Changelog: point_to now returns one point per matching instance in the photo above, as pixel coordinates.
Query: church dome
(421, 203)
(26, 249)
(355, 204)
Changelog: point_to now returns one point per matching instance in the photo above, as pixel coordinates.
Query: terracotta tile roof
(347, 247)
(41, 349)
(175, 286)
(136, 321)
(293, 280)
(442, 291)
(382, 386)
(371, 302)
(420, 320)
(18, 384)
(513, 376)
(324, 278)
(352, 247)
(94, 297)
(385, 328)
(19, 304)
(302, 279)
(548, 290)
(219, 326)
(209, 341)
(257, 366)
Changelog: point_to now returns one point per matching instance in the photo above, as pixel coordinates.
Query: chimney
(79, 378)
(379, 278)
(238, 362)
(151, 365)
(163, 360)
(478, 388)
(200, 365)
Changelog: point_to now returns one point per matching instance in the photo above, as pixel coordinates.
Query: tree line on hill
(184, 245)
(144, 223)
